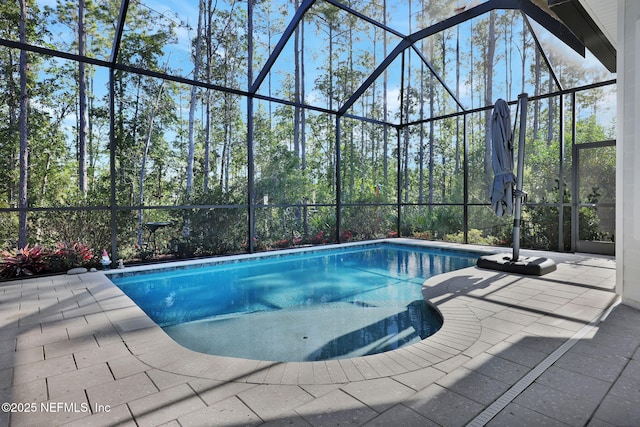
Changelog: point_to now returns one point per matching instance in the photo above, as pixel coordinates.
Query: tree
(142, 47)
(197, 59)
(147, 144)
(83, 116)
(23, 125)
(489, 57)
(197, 55)
(10, 102)
(208, 77)
(385, 107)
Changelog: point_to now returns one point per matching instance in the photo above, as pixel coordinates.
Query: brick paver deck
(74, 350)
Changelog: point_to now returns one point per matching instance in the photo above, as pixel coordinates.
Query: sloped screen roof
(345, 49)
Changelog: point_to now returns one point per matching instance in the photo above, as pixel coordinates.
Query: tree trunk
(471, 66)
(192, 111)
(488, 100)
(524, 55)
(507, 59)
(24, 149)
(551, 113)
(207, 143)
(457, 167)
(363, 163)
(83, 115)
(421, 137)
(91, 149)
(229, 133)
(303, 118)
(332, 147)
(225, 160)
(152, 116)
(296, 89)
(443, 46)
(406, 129)
(224, 169)
(303, 134)
(193, 102)
(385, 114)
(14, 118)
(351, 131)
(536, 92)
(432, 139)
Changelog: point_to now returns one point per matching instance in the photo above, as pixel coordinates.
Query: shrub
(69, 255)
(284, 243)
(424, 235)
(25, 262)
(216, 230)
(345, 235)
(474, 236)
(29, 261)
(91, 227)
(319, 238)
(366, 221)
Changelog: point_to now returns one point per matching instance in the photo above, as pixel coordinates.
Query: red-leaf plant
(69, 255)
(25, 262)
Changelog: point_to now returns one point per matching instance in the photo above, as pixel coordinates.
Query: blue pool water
(315, 305)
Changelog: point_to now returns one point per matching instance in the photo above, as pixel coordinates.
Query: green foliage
(435, 221)
(590, 130)
(8, 229)
(367, 222)
(70, 255)
(540, 229)
(92, 227)
(212, 231)
(542, 224)
(322, 225)
(541, 170)
(474, 235)
(590, 225)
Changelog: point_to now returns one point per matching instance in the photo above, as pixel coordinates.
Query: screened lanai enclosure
(158, 130)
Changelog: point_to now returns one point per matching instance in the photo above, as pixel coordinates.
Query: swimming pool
(302, 306)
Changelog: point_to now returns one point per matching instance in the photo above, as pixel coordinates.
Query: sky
(184, 13)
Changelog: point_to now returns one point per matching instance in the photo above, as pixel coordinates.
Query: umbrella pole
(519, 195)
(502, 262)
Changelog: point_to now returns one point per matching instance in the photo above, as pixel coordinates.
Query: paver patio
(74, 350)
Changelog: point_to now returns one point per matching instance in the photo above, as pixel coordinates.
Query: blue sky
(184, 14)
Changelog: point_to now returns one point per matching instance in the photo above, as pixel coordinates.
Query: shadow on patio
(77, 341)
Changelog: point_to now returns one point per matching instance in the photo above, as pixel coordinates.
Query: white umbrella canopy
(502, 160)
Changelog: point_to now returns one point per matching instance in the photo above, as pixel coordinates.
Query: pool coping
(231, 259)
(150, 344)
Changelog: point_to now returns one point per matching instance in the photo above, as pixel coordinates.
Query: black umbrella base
(533, 266)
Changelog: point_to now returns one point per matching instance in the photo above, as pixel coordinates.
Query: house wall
(628, 153)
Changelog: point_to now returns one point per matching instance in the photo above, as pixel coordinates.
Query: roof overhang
(573, 14)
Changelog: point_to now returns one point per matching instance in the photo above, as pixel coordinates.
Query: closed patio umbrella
(502, 159)
(503, 192)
